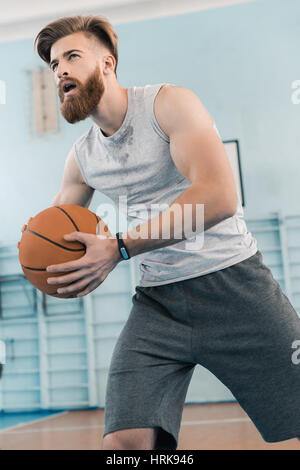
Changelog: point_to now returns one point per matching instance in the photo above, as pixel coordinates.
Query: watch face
(124, 253)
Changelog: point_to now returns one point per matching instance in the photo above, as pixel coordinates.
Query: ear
(109, 64)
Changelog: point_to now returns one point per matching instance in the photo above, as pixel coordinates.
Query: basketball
(42, 243)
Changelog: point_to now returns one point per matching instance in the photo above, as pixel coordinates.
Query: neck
(111, 110)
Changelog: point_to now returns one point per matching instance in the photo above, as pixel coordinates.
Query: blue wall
(239, 60)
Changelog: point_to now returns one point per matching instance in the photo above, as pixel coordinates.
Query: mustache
(59, 85)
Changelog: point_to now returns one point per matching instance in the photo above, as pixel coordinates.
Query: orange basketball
(42, 243)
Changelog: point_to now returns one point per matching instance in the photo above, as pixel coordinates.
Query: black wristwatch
(122, 248)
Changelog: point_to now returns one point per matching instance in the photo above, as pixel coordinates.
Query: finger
(67, 267)
(76, 286)
(78, 236)
(69, 278)
(92, 286)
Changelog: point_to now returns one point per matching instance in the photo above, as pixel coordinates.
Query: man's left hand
(101, 257)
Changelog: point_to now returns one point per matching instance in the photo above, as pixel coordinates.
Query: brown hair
(97, 25)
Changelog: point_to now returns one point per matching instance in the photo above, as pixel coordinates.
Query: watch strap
(122, 248)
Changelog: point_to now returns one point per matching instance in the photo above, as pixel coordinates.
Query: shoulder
(89, 134)
(176, 106)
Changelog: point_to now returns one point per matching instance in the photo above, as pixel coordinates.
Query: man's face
(81, 67)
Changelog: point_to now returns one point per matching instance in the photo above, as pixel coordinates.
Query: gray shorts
(237, 323)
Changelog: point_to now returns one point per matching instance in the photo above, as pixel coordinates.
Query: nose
(61, 74)
(62, 68)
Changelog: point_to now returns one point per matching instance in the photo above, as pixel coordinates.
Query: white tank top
(135, 163)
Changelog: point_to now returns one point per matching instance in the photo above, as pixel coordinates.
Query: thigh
(149, 372)
(245, 336)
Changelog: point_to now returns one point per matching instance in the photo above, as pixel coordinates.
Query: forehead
(72, 41)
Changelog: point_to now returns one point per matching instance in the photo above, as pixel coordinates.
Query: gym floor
(218, 426)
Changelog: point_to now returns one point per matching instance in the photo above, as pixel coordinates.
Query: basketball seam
(54, 243)
(34, 269)
(66, 213)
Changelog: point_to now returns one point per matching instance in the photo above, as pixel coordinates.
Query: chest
(138, 166)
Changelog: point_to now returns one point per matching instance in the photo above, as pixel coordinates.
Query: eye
(53, 69)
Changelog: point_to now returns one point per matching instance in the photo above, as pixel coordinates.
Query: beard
(79, 106)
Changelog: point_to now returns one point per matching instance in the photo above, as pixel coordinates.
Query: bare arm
(73, 189)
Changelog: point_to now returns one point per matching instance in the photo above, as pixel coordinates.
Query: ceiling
(24, 18)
